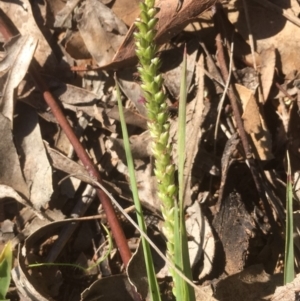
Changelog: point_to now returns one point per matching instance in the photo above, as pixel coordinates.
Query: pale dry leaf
(22, 49)
(10, 169)
(21, 16)
(36, 167)
(101, 30)
(250, 116)
(203, 242)
(267, 69)
(64, 17)
(254, 124)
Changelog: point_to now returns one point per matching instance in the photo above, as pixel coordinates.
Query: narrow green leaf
(181, 244)
(5, 269)
(153, 285)
(289, 272)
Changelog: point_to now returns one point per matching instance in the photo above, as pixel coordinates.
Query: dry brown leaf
(36, 168)
(250, 116)
(267, 69)
(101, 30)
(64, 17)
(10, 169)
(20, 51)
(254, 124)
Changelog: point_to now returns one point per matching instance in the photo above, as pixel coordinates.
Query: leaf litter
(236, 252)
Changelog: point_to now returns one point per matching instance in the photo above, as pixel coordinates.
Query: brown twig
(113, 221)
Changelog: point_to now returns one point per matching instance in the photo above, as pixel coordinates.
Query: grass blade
(153, 285)
(5, 269)
(289, 272)
(183, 289)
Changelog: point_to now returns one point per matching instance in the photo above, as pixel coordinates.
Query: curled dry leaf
(20, 51)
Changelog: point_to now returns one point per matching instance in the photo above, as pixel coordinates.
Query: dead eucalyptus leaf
(64, 17)
(10, 170)
(101, 30)
(203, 242)
(20, 51)
(255, 124)
(36, 168)
(267, 69)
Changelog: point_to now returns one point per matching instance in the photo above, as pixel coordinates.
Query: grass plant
(159, 126)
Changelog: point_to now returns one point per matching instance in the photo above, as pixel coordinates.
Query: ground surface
(242, 118)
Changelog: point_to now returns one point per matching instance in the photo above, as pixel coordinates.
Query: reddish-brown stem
(113, 221)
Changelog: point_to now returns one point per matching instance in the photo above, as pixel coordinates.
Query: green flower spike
(158, 125)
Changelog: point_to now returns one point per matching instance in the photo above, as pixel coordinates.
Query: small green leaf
(5, 269)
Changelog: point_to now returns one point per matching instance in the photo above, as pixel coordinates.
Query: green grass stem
(289, 271)
(153, 285)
